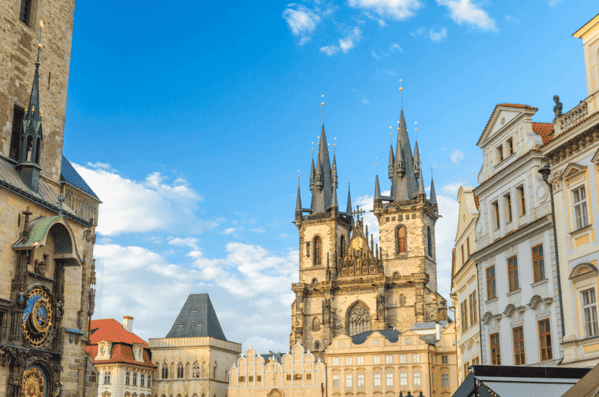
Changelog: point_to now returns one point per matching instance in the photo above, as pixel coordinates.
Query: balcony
(576, 115)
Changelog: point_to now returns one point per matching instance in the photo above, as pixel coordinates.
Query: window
(500, 153)
(107, 377)
(135, 379)
(444, 359)
(127, 376)
(589, 308)
(342, 246)
(17, 127)
(464, 312)
(348, 380)
(251, 378)
(466, 369)
(164, 371)
(317, 251)
(142, 380)
(445, 380)
(149, 380)
(495, 350)
(335, 380)
(475, 361)
(348, 361)
(315, 324)
(512, 269)
(462, 249)
(401, 240)
(403, 358)
(377, 379)
(242, 379)
(403, 379)
(359, 320)
(196, 370)
(388, 359)
(580, 207)
(288, 377)
(415, 358)
(508, 207)
(389, 380)
(417, 379)
(375, 342)
(429, 238)
(376, 360)
(473, 309)
(308, 249)
(522, 200)
(538, 263)
(491, 291)
(341, 344)
(518, 337)
(468, 246)
(335, 361)
(297, 377)
(180, 371)
(360, 360)
(510, 146)
(26, 8)
(495, 207)
(360, 380)
(545, 340)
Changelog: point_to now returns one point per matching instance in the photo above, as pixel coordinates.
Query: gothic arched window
(317, 345)
(196, 370)
(180, 371)
(401, 240)
(402, 300)
(315, 324)
(164, 371)
(317, 251)
(429, 238)
(359, 320)
(342, 247)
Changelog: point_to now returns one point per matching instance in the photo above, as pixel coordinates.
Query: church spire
(433, 198)
(322, 195)
(334, 206)
(417, 170)
(30, 142)
(391, 161)
(298, 201)
(403, 182)
(377, 189)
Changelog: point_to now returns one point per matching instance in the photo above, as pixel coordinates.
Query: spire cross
(357, 212)
(61, 201)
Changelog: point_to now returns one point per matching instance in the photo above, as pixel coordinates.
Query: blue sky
(191, 124)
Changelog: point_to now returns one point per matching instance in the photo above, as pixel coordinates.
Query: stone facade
(295, 374)
(464, 284)
(574, 158)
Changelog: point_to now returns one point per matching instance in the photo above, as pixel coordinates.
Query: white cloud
(142, 206)
(439, 35)
(511, 19)
(302, 21)
(456, 155)
(389, 72)
(374, 54)
(396, 47)
(365, 102)
(466, 11)
(452, 189)
(345, 44)
(445, 231)
(230, 230)
(283, 235)
(330, 49)
(395, 9)
(258, 230)
(553, 3)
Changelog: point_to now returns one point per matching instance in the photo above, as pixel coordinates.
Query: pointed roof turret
(349, 210)
(421, 193)
(298, 201)
(197, 319)
(391, 161)
(323, 192)
(377, 189)
(433, 198)
(416, 159)
(312, 174)
(404, 184)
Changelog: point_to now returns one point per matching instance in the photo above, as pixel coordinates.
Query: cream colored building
(194, 358)
(295, 374)
(574, 158)
(464, 283)
(387, 362)
(122, 359)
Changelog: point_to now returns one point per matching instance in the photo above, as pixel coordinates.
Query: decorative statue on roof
(557, 109)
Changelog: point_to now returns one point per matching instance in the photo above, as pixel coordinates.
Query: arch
(38, 146)
(342, 246)
(187, 372)
(164, 372)
(395, 274)
(429, 241)
(172, 370)
(204, 370)
(28, 149)
(314, 281)
(180, 371)
(317, 345)
(401, 240)
(317, 243)
(357, 319)
(402, 300)
(195, 372)
(583, 269)
(315, 324)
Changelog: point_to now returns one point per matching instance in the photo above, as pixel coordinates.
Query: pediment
(595, 158)
(583, 270)
(572, 170)
(501, 117)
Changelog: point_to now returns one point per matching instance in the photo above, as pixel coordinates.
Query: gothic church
(349, 285)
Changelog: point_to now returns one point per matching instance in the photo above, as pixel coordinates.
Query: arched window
(317, 345)
(315, 324)
(180, 371)
(401, 240)
(196, 370)
(342, 247)
(205, 373)
(396, 274)
(317, 251)
(29, 148)
(214, 370)
(402, 300)
(187, 372)
(37, 150)
(314, 281)
(226, 376)
(429, 238)
(359, 319)
(164, 371)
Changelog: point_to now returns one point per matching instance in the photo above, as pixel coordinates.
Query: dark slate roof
(269, 356)
(72, 177)
(390, 334)
(197, 318)
(431, 339)
(427, 325)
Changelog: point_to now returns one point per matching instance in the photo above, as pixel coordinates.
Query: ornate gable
(359, 259)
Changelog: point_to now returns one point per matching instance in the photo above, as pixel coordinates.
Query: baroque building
(347, 284)
(464, 283)
(518, 285)
(195, 357)
(122, 359)
(574, 174)
(48, 213)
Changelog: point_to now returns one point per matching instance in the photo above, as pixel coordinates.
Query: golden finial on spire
(401, 94)
(377, 165)
(322, 104)
(416, 130)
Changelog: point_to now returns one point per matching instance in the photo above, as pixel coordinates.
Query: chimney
(437, 330)
(128, 323)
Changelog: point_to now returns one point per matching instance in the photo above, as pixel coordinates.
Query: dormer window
(499, 153)
(510, 146)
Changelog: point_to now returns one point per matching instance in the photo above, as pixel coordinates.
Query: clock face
(33, 383)
(358, 243)
(37, 317)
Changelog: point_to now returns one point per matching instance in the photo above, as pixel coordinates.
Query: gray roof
(403, 188)
(197, 318)
(427, 325)
(390, 334)
(72, 177)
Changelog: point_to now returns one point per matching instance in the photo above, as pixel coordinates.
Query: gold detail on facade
(37, 318)
(590, 348)
(33, 384)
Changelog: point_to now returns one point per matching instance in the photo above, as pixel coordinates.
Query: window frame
(445, 380)
(445, 360)
(580, 221)
(464, 313)
(417, 379)
(512, 272)
(518, 344)
(360, 380)
(376, 380)
(389, 379)
(473, 308)
(508, 207)
(538, 263)
(336, 379)
(417, 357)
(510, 145)
(402, 241)
(491, 281)
(496, 218)
(589, 308)
(349, 380)
(26, 12)
(499, 152)
(545, 345)
(317, 251)
(403, 378)
(520, 190)
(495, 347)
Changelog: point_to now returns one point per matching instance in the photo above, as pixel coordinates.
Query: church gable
(503, 115)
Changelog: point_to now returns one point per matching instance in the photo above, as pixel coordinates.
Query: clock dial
(33, 383)
(37, 317)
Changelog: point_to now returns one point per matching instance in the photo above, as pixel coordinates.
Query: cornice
(505, 172)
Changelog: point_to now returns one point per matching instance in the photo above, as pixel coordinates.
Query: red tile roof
(111, 330)
(545, 130)
(120, 353)
(476, 200)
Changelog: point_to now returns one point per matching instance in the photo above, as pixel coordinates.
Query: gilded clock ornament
(37, 317)
(33, 383)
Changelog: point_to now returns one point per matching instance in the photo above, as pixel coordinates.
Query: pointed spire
(377, 189)
(298, 202)
(433, 198)
(312, 173)
(421, 192)
(391, 161)
(416, 160)
(349, 210)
